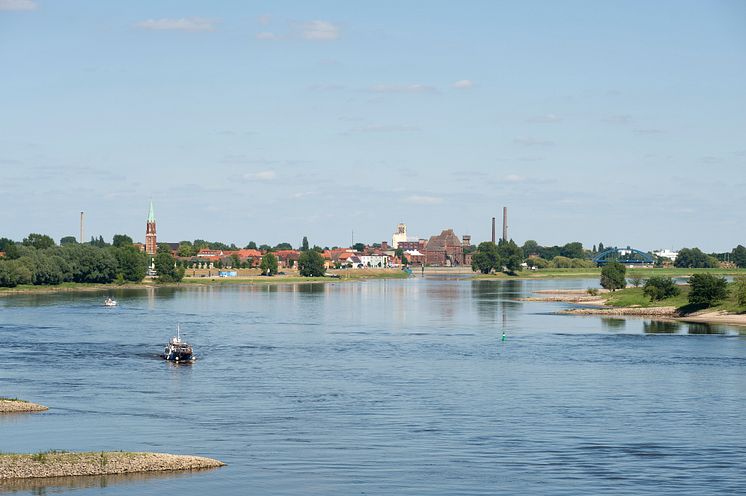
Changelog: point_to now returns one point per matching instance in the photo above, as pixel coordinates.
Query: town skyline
(591, 122)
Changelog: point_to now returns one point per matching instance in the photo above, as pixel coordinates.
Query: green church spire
(151, 215)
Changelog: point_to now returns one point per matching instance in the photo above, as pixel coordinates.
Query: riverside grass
(67, 464)
(594, 272)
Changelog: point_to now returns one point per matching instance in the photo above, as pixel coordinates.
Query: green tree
(13, 273)
(132, 264)
(660, 288)
(269, 264)
(38, 241)
(311, 264)
(304, 244)
(486, 258)
(68, 240)
(284, 246)
(99, 243)
(707, 289)
(251, 246)
(694, 258)
(613, 276)
(90, 264)
(738, 255)
(186, 249)
(530, 247)
(511, 256)
(739, 290)
(601, 247)
(560, 262)
(120, 240)
(163, 248)
(573, 250)
(358, 246)
(165, 266)
(235, 261)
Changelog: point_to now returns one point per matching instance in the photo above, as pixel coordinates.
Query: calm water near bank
(377, 387)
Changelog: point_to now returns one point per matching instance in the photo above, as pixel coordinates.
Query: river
(381, 387)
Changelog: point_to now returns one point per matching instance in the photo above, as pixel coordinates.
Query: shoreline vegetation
(254, 279)
(631, 302)
(70, 464)
(15, 405)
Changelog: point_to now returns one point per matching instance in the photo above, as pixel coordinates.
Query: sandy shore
(63, 464)
(20, 406)
(568, 296)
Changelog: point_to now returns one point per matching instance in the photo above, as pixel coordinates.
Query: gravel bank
(638, 311)
(63, 464)
(20, 406)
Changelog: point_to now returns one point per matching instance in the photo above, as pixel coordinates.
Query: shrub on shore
(707, 289)
(660, 288)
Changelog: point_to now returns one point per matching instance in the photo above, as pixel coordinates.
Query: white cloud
(266, 175)
(423, 200)
(264, 19)
(192, 24)
(545, 119)
(18, 5)
(320, 31)
(532, 142)
(463, 84)
(402, 88)
(268, 36)
(514, 178)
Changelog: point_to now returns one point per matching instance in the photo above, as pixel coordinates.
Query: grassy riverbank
(293, 278)
(634, 297)
(67, 464)
(596, 273)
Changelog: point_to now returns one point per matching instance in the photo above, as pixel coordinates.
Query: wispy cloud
(544, 119)
(266, 175)
(403, 88)
(18, 5)
(528, 141)
(264, 19)
(463, 84)
(320, 31)
(514, 178)
(648, 131)
(268, 36)
(192, 24)
(423, 200)
(619, 119)
(382, 128)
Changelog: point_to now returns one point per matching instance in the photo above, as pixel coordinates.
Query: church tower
(150, 242)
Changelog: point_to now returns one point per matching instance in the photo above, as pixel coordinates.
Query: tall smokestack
(81, 227)
(493, 229)
(505, 223)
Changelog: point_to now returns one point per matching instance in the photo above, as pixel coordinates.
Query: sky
(614, 122)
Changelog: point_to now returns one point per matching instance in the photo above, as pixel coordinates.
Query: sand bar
(66, 464)
(20, 406)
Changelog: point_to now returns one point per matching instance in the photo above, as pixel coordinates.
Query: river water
(384, 387)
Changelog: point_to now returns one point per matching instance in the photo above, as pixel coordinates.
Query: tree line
(38, 260)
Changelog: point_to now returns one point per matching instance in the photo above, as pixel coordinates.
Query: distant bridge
(626, 256)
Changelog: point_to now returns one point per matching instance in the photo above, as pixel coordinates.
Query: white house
(669, 254)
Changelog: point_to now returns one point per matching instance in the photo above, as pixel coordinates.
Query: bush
(660, 288)
(269, 264)
(707, 289)
(612, 276)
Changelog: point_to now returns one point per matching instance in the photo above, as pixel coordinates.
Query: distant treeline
(38, 260)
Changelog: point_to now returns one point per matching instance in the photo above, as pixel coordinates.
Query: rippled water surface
(379, 387)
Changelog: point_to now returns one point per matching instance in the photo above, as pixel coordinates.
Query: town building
(665, 253)
(444, 250)
(400, 237)
(151, 245)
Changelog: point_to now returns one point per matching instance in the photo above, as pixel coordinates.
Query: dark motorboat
(177, 350)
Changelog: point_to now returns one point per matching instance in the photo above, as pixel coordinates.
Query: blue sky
(620, 122)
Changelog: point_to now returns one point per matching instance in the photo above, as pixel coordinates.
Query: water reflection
(491, 296)
(661, 327)
(50, 485)
(613, 324)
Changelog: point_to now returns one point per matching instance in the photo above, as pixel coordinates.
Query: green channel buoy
(503, 338)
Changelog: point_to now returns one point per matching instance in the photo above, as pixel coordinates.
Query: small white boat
(108, 302)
